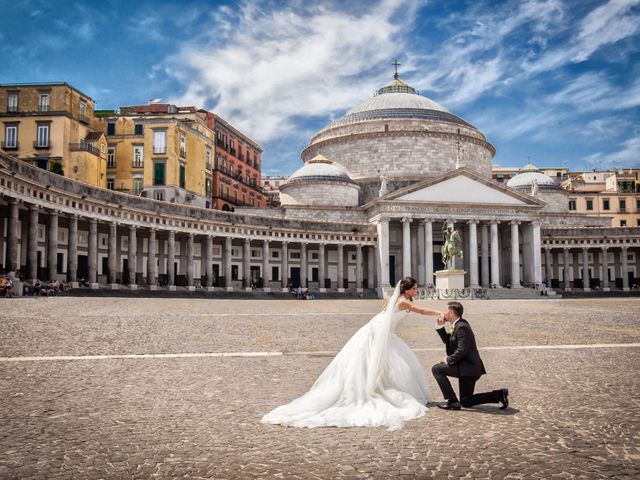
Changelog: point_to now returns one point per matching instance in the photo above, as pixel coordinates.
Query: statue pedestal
(450, 279)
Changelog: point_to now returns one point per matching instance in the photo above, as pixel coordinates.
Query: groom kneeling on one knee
(462, 362)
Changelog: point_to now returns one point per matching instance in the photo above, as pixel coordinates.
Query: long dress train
(375, 380)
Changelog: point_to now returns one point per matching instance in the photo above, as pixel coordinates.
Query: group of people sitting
(45, 289)
(301, 293)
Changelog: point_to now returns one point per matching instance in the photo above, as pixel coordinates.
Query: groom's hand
(440, 320)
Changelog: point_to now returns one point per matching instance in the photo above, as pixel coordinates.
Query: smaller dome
(527, 179)
(320, 168)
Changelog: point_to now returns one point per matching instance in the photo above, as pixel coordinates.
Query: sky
(551, 82)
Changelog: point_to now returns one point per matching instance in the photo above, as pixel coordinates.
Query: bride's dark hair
(407, 283)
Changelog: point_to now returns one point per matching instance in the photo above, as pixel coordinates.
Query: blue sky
(553, 82)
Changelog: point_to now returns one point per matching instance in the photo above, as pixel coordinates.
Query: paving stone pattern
(575, 412)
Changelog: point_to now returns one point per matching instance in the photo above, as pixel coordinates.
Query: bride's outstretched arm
(407, 305)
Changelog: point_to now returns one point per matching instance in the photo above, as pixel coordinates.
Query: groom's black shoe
(504, 398)
(450, 406)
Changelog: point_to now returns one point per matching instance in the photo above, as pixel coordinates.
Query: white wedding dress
(375, 380)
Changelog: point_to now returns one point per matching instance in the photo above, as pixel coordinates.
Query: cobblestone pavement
(575, 412)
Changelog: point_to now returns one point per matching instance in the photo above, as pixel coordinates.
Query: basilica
(367, 207)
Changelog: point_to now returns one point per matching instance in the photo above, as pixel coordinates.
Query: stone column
(52, 244)
(428, 252)
(322, 268)
(567, 276)
(604, 277)
(152, 263)
(190, 285)
(72, 251)
(421, 251)
(473, 254)
(171, 259)
(536, 245)
(266, 273)
(132, 257)
(495, 255)
(371, 267)
(340, 268)
(359, 266)
(285, 266)
(246, 264)
(227, 264)
(556, 266)
(207, 247)
(92, 259)
(406, 246)
(32, 248)
(585, 269)
(484, 259)
(12, 237)
(548, 269)
(303, 265)
(625, 268)
(112, 255)
(383, 251)
(515, 255)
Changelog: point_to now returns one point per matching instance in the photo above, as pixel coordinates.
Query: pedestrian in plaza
(375, 379)
(462, 362)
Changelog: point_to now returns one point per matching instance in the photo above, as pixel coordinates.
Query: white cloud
(627, 156)
(603, 26)
(290, 63)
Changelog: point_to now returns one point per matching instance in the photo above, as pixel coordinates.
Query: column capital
(93, 221)
(34, 207)
(515, 222)
(624, 247)
(285, 243)
(265, 241)
(536, 222)
(190, 234)
(604, 247)
(494, 221)
(473, 221)
(407, 219)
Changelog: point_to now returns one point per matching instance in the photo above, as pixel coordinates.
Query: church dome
(530, 174)
(403, 135)
(320, 168)
(397, 100)
(319, 183)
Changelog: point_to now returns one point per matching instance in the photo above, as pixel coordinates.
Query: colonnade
(485, 250)
(240, 262)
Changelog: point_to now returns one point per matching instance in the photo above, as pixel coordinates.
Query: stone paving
(575, 412)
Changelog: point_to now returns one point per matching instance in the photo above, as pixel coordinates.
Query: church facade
(369, 205)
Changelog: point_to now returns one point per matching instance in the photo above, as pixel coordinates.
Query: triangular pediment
(462, 187)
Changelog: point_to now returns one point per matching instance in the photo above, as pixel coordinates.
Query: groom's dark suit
(463, 362)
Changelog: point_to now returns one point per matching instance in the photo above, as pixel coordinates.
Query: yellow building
(614, 194)
(160, 151)
(51, 125)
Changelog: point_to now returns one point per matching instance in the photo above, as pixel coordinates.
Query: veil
(379, 343)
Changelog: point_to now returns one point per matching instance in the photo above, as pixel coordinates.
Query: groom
(463, 362)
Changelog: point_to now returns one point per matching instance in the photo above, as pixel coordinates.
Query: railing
(83, 118)
(12, 146)
(183, 153)
(158, 150)
(44, 108)
(12, 109)
(453, 294)
(84, 147)
(38, 144)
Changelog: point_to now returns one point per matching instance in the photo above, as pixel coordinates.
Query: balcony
(10, 146)
(84, 147)
(41, 145)
(44, 108)
(12, 109)
(159, 150)
(83, 119)
(183, 153)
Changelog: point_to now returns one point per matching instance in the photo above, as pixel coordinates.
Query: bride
(375, 380)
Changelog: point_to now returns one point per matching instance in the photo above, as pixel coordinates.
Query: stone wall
(402, 152)
(319, 193)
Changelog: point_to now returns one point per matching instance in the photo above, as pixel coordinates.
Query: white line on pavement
(301, 353)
